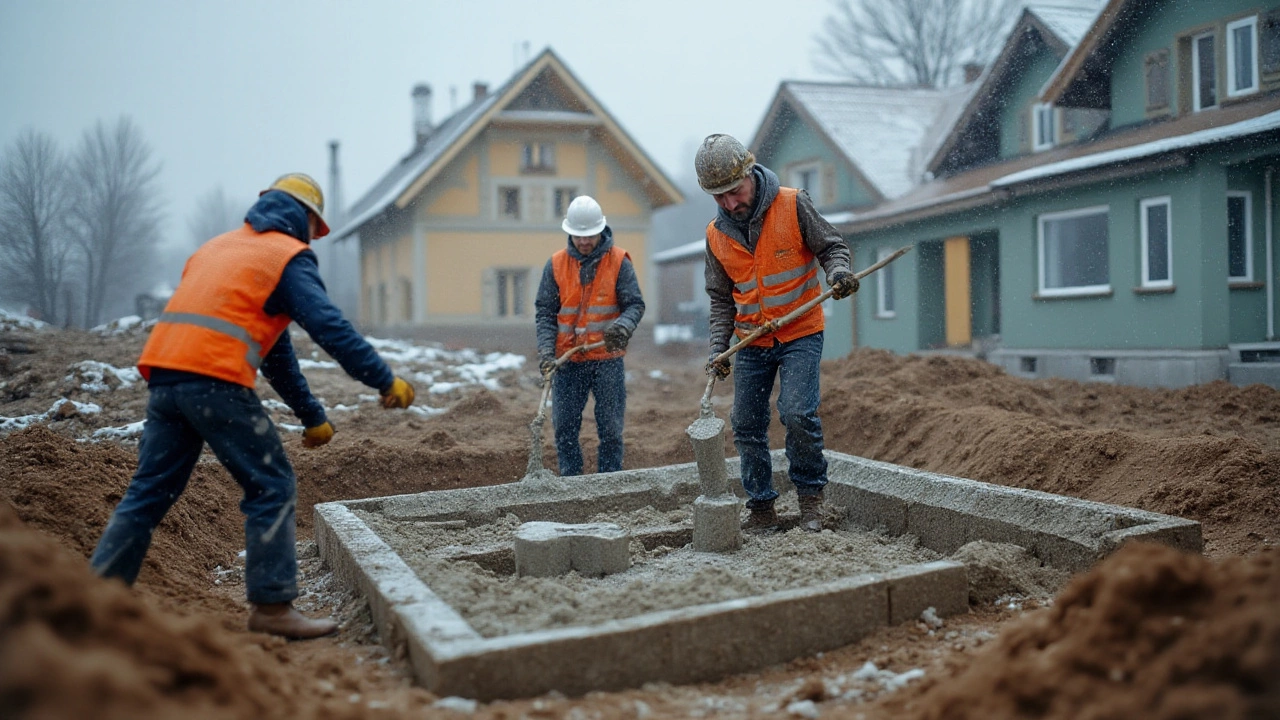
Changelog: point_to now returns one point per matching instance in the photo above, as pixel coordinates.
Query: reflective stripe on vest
(586, 312)
(779, 277)
(214, 324)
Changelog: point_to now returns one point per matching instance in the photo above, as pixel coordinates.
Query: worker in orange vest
(763, 253)
(226, 322)
(588, 294)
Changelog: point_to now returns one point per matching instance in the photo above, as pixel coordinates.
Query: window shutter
(1269, 42)
(1156, 72)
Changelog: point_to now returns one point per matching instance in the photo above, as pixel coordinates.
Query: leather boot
(762, 520)
(811, 512)
(284, 620)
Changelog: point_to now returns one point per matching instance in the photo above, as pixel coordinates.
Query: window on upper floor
(1242, 56)
(1269, 43)
(1044, 126)
(885, 306)
(1073, 252)
(1157, 243)
(1204, 73)
(538, 158)
(509, 202)
(562, 197)
(1156, 75)
(807, 177)
(1239, 236)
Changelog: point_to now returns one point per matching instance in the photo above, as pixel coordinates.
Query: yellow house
(459, 230)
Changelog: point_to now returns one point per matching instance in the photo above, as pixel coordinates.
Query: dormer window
(1043, 120)
(1204, 73)
(807, 177)
(1242, 56)
(538, 158)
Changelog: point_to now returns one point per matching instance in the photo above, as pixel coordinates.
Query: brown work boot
(762, 520)
(811, 512)
(283, 620)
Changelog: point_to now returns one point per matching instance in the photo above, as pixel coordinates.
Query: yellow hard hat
(304, 189)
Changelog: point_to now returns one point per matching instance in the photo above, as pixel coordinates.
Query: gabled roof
(876, 130)
(1059, 26)
(1089, 61)
(402, 183)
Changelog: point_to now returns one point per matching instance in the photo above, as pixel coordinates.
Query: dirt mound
(1149, 633)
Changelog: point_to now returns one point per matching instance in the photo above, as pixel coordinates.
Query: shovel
(535, 426)
(774, 325)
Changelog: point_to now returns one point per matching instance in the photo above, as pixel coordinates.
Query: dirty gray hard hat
(722, 163)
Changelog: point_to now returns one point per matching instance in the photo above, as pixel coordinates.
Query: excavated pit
(439, 572)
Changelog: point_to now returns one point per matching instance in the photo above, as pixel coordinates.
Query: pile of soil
(72, 645)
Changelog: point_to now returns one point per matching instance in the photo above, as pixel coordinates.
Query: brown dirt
(1110, 645)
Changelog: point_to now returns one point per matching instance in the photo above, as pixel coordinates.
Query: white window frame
(1040, 261)
(1038, 111)
(1232, 90)
(1166, 201)
(815, 193)
(886, 305)
(1195, 72)
(1248, 236)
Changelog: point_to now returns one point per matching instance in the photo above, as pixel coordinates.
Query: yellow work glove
(314, 437)
(399, 395)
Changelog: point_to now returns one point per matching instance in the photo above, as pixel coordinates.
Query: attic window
(1204, 73)
(538, 157)
(1043, 117)
(1242, 56)
(1156, 73)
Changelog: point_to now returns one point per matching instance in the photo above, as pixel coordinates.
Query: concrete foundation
(706, 642)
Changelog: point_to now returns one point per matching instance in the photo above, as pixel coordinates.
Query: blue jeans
(797, 364)
(606, 380)
(180, 419)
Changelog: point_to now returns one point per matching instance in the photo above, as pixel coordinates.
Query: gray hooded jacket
(822, 240)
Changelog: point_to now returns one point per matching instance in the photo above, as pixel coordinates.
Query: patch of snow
(457, 704)
(888, 679)
(17, 423)
(930, 617)
(95, 374)
(306, 364)
(803, 708)
(121, 326)
(273, 404)
(123, 432)
(425, 410)
(13, 321)
(658, 375)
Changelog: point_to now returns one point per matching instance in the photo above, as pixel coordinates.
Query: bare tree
(213, 216)
(116, 212)
(34, 242)
(910, 42)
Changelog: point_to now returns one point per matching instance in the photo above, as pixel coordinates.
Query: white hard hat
(584, 218)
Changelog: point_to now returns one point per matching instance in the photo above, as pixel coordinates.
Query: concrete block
(716, 525)
(942, 585)
(707, 436)
(548, 549)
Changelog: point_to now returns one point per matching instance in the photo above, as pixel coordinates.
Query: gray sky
(232, 93)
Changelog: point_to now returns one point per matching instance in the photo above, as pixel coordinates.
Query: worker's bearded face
(737, 202)
(585, 244)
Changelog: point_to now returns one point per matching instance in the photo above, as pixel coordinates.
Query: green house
(1101, 208)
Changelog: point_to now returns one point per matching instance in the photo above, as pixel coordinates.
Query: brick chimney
(480, 90)
(422, 126)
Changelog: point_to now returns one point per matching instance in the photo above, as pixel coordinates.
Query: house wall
(1248, 300)
(1160, 30)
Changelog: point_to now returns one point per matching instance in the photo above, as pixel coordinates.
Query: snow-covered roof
(879, 129)
(1262, 123)
(681, 252)
(1068, 22)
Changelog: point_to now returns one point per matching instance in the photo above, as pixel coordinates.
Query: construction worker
(588, 294)
(226, 321)
(762, 257)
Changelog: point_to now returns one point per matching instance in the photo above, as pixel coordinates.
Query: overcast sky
(232, 93)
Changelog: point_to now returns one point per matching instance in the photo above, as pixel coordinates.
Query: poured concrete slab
(706, 642)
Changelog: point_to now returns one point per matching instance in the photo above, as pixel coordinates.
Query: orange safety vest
(214, 324)
(781, 276)
(586, 312)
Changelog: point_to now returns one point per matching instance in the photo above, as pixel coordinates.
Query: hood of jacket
(277, 211)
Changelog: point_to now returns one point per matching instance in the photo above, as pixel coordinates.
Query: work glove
(843, 284)
(399, 395)
(546, 366)
(616, 337)
(720, 368)
(314, 437)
